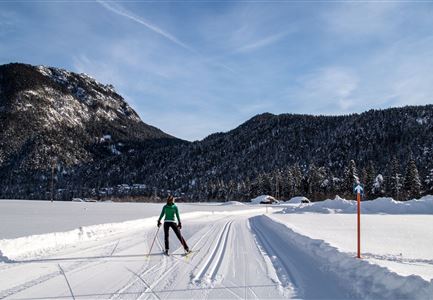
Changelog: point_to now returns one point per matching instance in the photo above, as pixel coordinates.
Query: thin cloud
(123, 12)
(329, 89)
(261, 43)
(363, 19)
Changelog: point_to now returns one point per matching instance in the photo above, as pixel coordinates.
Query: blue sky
(193, 68)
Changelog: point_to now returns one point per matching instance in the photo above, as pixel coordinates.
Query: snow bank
(378, 206)
(370, 281)
(233, 203)
(264, 199)
(35, 245)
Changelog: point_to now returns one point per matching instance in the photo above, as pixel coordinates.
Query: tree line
(318, 183)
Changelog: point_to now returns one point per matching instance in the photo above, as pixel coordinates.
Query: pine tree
(412, 182)
(370, 180)
(323, 181)
(264, 184)
(394, 182)
(315, 178)
(222, 190)
(429, 182)
(247, 193)
(327, 183)
(231, 190)
(254, 189)
(296, 184)
(285, 183)
(311, 180)
(276, 183)
(350, 178)
(378, 186)
(259, 184)
(363, 177)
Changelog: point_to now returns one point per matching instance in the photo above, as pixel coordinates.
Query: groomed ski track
(243, 256)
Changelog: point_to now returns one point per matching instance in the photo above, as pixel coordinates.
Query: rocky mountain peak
(48, 112)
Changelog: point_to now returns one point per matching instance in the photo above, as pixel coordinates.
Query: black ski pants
(176, 230)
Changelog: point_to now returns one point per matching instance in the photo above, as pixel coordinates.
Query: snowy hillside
(54, 118)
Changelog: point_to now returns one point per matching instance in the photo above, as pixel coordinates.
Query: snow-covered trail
(235, 256)
(226, 263)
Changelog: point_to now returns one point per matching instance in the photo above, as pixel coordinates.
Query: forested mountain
(288, 155)
(113, 153)
(49, 116)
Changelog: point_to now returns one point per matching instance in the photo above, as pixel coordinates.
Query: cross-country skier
(169, 210)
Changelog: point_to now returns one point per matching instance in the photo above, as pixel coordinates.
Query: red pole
(358, 198)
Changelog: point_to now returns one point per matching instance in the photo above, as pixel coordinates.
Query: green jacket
(169, 211)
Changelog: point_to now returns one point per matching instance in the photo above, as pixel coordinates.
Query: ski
(188, 254)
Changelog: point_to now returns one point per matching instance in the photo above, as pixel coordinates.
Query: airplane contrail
(124, 13)
(137, 19)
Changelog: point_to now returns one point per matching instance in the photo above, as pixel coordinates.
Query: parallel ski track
(116, 246)
(168, 271)
(78, 266)
(213, 252)
(221, 255)
(216, 252)
(212, 275)
(132, 285)
(155, 283)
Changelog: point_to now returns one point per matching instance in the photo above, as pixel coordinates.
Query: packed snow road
(234, 256)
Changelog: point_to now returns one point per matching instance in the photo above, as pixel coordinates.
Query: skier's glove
(179, 225)
(159, 223)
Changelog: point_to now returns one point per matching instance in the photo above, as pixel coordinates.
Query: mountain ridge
(42, 107)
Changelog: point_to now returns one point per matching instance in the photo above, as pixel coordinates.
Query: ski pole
(153, 241)
(182, 240)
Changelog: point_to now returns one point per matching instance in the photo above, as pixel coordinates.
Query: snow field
(398, 236)
(24, 218)
(368, 281)
(238, 253)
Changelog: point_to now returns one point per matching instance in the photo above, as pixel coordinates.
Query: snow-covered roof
(263, 199)
(298, 199)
